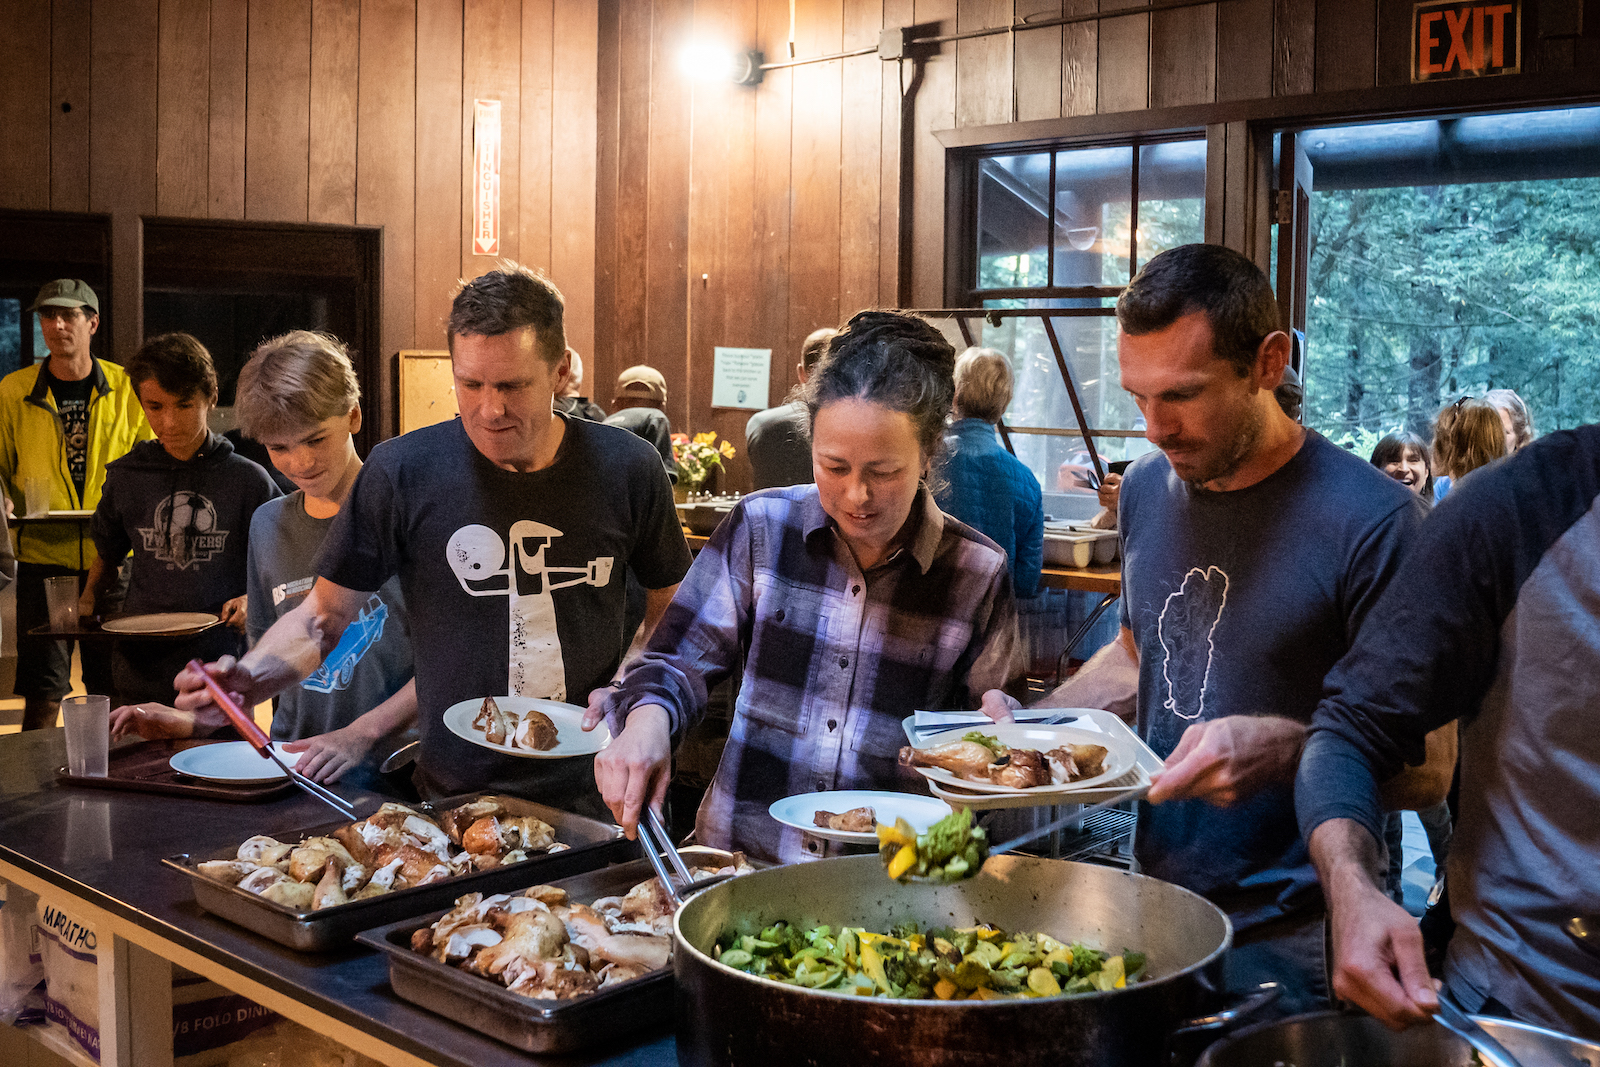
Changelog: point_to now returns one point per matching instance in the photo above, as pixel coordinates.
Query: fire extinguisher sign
(486, 177)
(1450, 39)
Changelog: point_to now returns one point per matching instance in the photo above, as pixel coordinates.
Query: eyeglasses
(1463, 400)
(69, 314)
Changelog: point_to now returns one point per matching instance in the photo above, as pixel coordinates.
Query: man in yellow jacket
(61, 422)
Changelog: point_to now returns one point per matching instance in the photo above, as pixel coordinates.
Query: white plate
(232, 761)
(797, 811)
(1119, 757)
(570, 738)
(161, 622)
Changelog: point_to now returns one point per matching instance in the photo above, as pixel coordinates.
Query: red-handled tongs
(261, 743)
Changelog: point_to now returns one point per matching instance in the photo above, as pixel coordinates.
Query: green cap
(67, 293)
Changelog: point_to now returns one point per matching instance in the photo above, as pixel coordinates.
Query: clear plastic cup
(35, 497)
(61, 596)
(88, 722)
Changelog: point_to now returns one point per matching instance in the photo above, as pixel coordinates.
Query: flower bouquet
(698, 457)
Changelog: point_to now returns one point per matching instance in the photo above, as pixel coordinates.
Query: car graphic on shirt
(340, 666)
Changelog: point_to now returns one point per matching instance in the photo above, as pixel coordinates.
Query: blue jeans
(1292, 951)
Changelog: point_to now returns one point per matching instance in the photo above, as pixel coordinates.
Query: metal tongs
(655, 843)
(261, 743)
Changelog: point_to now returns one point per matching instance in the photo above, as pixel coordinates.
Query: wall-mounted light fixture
(718, 63)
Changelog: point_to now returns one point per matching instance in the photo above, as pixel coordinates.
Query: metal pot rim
(1245, 1032)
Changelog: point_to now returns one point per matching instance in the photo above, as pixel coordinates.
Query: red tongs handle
(245, 724)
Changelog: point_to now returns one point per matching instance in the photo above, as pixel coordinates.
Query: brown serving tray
(593, 844)
(146, 768)
(549, 1026)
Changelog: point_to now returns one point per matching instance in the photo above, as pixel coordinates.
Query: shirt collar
(924, 546)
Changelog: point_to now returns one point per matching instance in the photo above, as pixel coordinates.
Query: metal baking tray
(548, 1026)
(593, 844)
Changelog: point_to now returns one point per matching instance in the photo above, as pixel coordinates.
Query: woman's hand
(86, 603)
(999, 706)
(635, 768)
(155, 722)
(233, 613)
(327, 756)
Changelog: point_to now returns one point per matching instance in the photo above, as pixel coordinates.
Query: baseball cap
(66, 293)
(643, 382)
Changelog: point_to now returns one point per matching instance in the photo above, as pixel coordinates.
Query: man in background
(570, 400)
(61, 422)
(639, 407)
(777, 439)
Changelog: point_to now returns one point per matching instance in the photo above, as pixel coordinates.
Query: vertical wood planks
(71, 103)
(183, 81)
(570, 160)
(278, 111)
(861, 154)
(25, 107)
(1037, 60)
(769, 320)
(1346, 45)
(491, 69)
(1294, 31)
(439, 220)
(1124, 60)
(230, 31)
(1394, 44)
(122, 163)
(815, 186)
(710, 104)
(385, 189)
(935, 110)
(1244, 50)
(540, 149)
(335, 62)
(631, 206)
(606, 153)
(1183, 56)
(894, 250)
(667, 223)
(1080, 61)
(984, 76)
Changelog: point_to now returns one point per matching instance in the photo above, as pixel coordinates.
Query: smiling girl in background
(1404, 457)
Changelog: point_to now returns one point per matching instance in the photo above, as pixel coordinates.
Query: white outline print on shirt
(1188, 619)
(183, 530)
(477, 556)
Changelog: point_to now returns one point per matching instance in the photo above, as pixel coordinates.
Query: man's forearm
(1346, 856)
(291, 649)
(1109, 680)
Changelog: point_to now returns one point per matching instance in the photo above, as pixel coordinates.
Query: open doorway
(1446, 257)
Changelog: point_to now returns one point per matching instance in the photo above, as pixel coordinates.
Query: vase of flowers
(699, 460)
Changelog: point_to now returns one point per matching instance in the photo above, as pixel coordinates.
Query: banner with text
(486, 177)
(1451, 39)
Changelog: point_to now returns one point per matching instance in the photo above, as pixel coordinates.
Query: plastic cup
(88, 721)
(35, 497)
(61, 596)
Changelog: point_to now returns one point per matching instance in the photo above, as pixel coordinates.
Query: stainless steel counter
(103, 849)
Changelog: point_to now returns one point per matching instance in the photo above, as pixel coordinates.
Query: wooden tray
(146, 768)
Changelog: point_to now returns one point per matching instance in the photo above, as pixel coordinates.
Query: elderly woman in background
(987, 487)
(1467, 435)
(1515, 418)
(848, 604)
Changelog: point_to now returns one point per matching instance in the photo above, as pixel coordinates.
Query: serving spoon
(1136, 793)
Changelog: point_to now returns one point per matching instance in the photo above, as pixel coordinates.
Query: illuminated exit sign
(1450, 39)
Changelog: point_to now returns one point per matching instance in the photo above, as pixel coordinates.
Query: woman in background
(1404, 457)
(1467, 435)
(1515, 418)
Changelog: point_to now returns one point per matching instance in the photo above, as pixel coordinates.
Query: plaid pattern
(832, 659)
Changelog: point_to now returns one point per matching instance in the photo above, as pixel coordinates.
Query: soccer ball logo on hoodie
(184, 531)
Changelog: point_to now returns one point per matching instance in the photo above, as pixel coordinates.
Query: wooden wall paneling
(1080, 61)
(538, 151)
(335, 63)
(737, 288)
(278, 111)
(629, 274)
(183, 85)
(385, 191)
(1037, 57)
(861, 168)
(1183, 56)
(230, 33)
(1346, 40)
(25, 108)
(1237, 190)
(1216, 177)
(491, 69)
(1244, 50)
(122, 161)
(815, 185)
(899, 128)
(1394, 43)
(608, 63)
(985, 85)
(1294, 34)
(71, 103)
(1124, 64)
(666, 339)
(774, 124)
(571, 162)
(439, 219)
(935, 106)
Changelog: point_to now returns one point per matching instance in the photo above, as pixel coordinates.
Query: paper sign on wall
(486, 177)
(740, 378)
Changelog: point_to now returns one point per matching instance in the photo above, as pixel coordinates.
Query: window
(1066, 229)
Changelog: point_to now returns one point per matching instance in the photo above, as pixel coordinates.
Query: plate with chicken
(853, 815)
(526, 727)
(1016, 758)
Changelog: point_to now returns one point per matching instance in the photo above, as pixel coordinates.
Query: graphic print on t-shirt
(477, 556)
(340, 666)
(184, 530)
(1188, 620)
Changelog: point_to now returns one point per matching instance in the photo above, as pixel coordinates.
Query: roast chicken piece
(1022, 768)
(537, 731)
(456, 820)
(1073, 763)
(964, 759)
(856, 820)
(496, 725)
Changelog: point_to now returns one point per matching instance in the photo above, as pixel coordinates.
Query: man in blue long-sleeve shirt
(1495, 621)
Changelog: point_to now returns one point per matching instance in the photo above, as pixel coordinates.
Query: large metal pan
(729, 1017)
(1332, 1039)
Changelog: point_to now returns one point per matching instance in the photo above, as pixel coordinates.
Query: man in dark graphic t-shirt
(509, 529)
(61, 422)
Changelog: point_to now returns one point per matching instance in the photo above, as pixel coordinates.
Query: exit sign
(1450, 39)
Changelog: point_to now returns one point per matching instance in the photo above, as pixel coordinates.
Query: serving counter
(98, 852)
